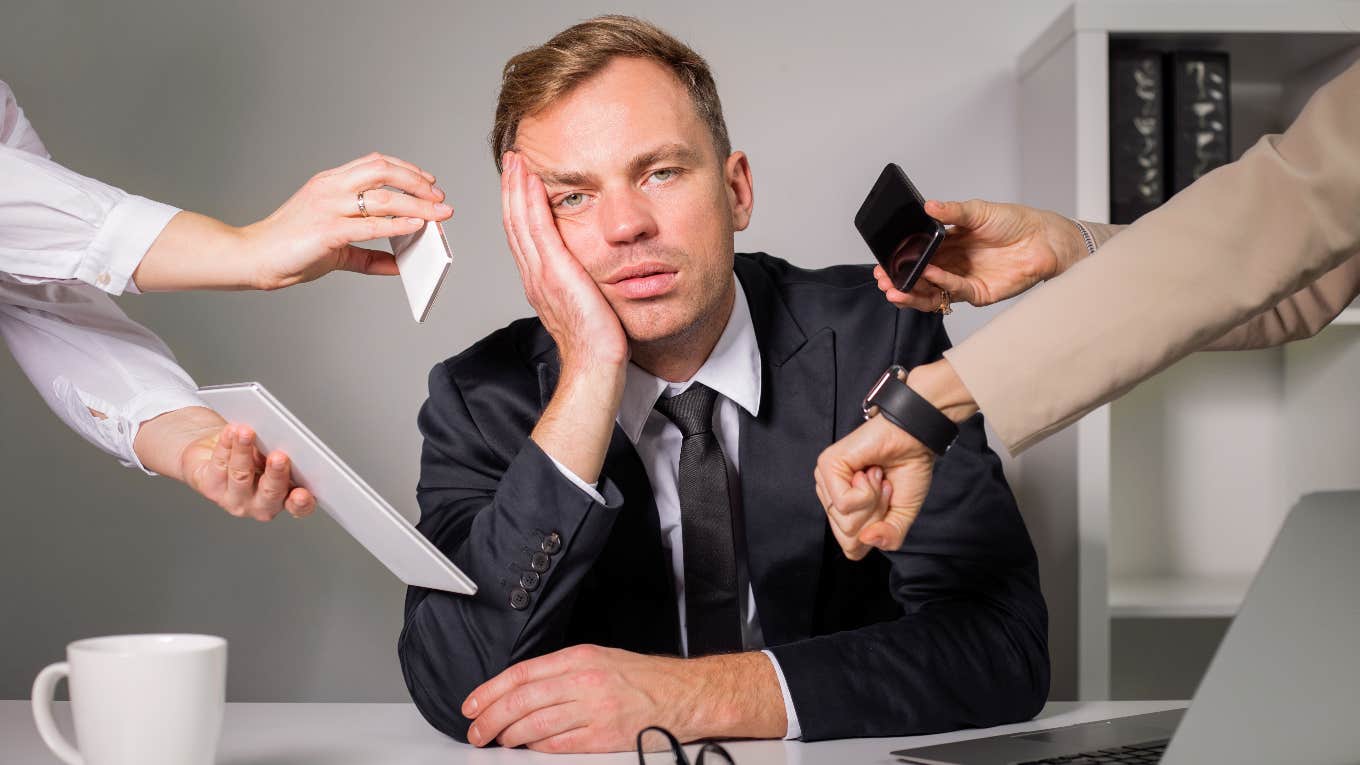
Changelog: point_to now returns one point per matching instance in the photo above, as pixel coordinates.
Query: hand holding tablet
(340, 491)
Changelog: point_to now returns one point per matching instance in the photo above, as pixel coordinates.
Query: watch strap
(911, 412)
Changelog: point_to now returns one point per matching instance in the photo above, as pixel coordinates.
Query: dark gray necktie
(713, 619)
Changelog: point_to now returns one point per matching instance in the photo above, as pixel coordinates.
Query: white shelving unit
(1172, 597)
(1163, 504)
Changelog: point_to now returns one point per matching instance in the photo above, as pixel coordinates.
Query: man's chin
(650, 327)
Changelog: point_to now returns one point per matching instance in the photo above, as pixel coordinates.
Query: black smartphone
(894, 223)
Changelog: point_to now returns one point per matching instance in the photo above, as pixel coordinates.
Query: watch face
(868, 407)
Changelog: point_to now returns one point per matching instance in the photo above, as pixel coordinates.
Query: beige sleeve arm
(1230, 246)
(1300, 315)
(1303, 314)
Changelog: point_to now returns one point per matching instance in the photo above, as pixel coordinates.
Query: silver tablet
(338, 489)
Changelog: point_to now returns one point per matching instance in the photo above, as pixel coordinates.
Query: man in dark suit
(628, 476)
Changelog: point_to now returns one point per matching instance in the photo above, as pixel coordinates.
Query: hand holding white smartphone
(423, 260)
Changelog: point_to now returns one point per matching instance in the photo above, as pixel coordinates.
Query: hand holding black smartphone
(894, 223)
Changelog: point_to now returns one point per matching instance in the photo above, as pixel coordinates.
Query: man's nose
(627, 217)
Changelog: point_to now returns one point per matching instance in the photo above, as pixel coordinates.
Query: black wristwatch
(906, 409)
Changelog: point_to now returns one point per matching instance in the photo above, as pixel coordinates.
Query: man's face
(640, 197)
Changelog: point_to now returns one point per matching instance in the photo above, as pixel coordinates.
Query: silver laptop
(346, 497)
(1284, 686)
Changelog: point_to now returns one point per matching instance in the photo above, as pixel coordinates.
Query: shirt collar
(732, 369)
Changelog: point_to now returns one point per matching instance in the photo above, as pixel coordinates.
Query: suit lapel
(785, 524)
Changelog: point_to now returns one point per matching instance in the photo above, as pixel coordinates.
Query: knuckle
(542, 726)
(381, 197)
(519, 701)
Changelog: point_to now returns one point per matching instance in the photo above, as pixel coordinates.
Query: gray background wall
(225, 108)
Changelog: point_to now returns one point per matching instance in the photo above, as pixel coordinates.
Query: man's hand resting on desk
(592, 699)
(221, 462)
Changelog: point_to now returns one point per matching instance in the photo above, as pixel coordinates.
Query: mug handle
(44, 687)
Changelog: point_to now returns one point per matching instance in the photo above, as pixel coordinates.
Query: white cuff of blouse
(117, 430)
(128, 232)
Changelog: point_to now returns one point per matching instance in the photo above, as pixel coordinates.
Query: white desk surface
(396, 734)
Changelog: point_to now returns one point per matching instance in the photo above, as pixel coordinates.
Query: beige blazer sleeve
(1303, 314)
(1232, 245)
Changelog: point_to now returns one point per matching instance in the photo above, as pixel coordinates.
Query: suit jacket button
(519, 599)
(539, 562)
(551, 543)
(529, 580)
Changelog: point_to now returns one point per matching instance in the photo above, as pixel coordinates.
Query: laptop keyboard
(1136, 754)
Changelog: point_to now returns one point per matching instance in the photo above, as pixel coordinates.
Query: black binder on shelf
(1198, 94)
(1138, 157)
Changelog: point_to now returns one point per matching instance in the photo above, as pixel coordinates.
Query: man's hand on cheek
(567, 300)
(583, 699)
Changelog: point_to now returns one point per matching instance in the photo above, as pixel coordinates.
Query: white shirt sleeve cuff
(794, 731)
(590, 489)
(129, 230)
(147, 406)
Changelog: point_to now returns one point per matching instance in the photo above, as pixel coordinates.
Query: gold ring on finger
(944, 308)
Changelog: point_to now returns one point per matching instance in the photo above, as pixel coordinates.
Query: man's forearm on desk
(589, 698)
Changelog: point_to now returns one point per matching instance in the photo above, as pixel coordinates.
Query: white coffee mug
(138, 700)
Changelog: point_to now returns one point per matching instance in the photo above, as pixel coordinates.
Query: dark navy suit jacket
(949, 632)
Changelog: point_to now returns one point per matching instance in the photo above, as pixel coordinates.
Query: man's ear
(740, 193)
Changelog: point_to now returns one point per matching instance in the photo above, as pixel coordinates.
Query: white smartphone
(423, 259)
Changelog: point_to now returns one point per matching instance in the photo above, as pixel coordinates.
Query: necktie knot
(691, 411)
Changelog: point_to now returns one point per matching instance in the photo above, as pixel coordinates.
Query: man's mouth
(643, 280)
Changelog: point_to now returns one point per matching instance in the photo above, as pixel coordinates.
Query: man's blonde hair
(536, 78)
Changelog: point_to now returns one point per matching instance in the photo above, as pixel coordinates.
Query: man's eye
(664, 175)
(572, 201)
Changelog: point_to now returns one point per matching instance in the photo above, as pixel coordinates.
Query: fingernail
(878, 474)
(438, 191)
(474, 735)
(472, 708)
(276, 461)
(443, 209)
(245, 439)
(415, 221)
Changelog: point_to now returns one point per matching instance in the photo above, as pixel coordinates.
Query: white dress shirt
(66, 243)
(733, 371)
